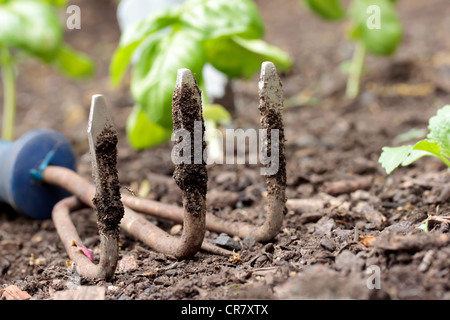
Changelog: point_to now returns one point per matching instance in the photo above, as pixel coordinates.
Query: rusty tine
(107, 200)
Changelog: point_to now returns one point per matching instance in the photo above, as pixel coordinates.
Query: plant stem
(356, 69)
(9, 94)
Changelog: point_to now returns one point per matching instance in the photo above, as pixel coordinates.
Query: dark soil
(350, 230)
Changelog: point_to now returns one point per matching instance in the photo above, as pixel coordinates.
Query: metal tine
(191, 177)
(103, 139)
(99, 119)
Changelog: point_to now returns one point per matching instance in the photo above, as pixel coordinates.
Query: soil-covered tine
(107, 202)
(190, 173)
(273, 153)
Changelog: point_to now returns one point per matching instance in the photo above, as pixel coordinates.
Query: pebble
(226, 241)
(176, 229)
(328, 244)
(127, 264)
(249, 241)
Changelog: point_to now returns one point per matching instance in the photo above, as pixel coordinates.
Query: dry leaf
(367, 240)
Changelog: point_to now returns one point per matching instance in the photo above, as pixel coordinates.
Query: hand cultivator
(38, 177)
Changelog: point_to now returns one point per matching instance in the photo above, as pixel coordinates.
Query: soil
(350, 231)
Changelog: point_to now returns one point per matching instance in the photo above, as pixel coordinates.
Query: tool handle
(20, 164)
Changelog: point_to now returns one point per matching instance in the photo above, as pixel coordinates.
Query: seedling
(225, 33)
(436, 144)
(375, 28)
(32, 28)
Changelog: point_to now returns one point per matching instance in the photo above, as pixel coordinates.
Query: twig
(346, 186)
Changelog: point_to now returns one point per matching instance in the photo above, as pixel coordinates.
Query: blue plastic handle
(20, 164)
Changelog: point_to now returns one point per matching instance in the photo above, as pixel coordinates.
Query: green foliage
(375, 27)
(216, 114)
(224, 33)
(33, 27)
(327, 9)
(437, 144)
(383, 41)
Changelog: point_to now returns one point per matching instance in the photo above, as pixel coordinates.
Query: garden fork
(105, 197)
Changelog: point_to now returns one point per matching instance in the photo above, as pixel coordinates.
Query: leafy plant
(225, 33)
(382, 39)
(436, 144)
(32, 28)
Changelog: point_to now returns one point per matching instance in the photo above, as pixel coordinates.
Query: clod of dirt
(107, 201)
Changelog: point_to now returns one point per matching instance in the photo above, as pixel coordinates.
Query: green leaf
(379, 29)
(31, 26)
(154, 75)
(216, 113)
(57, 3)
(217, 18)
(327, 9)
(423, 226)
(421, 149)
(392, 157)
(238, 57)
(439, 127)
(143, 133)
(73, 64)
(134, 35)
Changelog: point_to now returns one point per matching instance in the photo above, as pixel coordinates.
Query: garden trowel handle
(22, 161)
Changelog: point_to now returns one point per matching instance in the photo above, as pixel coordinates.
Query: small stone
(127, 264)
(249, 241)
(176, 229)
(226, 241)
(328, 244)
